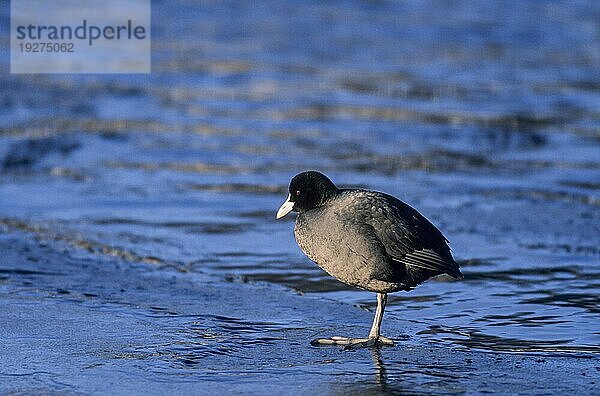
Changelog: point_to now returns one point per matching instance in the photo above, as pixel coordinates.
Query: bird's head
(308, 190)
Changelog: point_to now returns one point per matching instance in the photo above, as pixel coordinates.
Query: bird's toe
(352, 343)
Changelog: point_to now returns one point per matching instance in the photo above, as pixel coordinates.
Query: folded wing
(409, 239)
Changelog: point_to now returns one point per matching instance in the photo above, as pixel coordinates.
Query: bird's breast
(331, 249)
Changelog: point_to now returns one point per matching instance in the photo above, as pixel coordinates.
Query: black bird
(366, 239)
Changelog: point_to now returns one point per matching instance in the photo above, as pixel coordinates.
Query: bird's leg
(374, 339)
(376, 327)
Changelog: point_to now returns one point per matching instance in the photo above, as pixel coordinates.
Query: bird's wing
(408, 237)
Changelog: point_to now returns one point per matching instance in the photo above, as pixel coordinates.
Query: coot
(366, 239)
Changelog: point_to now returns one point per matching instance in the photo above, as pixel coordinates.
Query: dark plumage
(366, 239)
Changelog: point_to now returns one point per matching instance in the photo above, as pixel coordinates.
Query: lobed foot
(350, 343)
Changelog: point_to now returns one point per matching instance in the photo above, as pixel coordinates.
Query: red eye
(297, 192)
